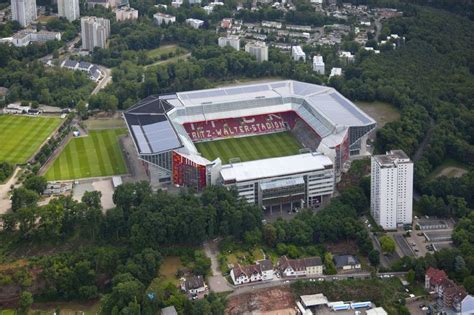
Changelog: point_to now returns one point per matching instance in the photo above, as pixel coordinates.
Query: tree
(26, 299)
(202, 264)
(469, 284)
(410, 276)
(374, 257)
(269, 235)
(329, 264)
(36, 183)
(387, 243)
(23, 197)
(81, 110)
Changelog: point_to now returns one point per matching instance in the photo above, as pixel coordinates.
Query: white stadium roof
(275, 167)
(326, 100)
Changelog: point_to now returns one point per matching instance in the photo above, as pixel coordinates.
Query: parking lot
(428, 235)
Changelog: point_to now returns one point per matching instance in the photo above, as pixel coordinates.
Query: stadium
(278, 143)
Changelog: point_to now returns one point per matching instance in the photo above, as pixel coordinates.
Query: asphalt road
(403, 245)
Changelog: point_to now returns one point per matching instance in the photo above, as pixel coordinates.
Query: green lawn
(250, 148)
(21, 136)
(157, 52)
(97, 154)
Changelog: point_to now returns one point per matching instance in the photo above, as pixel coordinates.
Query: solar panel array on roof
(142, 143)
(161, 136)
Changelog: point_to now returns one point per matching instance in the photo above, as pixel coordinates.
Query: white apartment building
(297, 53)
(232, 41)
(24, 11)
(318, 64)
(194, 23)
(300, 180)
(94, 32)
(391, 191)
(346, 56)
(161, 18)
(126, 13)
(257, 49)
(69, 9)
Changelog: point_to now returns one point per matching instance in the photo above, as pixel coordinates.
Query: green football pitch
(22, 136)
(250, 148)
(97, 154)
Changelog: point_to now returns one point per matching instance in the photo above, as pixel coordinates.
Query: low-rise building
(232, 41)
(318, 64)
(335, 72)
(266, 268)
(126, 13)
(162, 18)
(300, 267)
(226, 23)
(246, 274)
(57, 188)
(16, 108)
(170, 310)
(297, 53)
(346, 262)
(25, 37)
(195, 23)
(448, 293)
(194, 285)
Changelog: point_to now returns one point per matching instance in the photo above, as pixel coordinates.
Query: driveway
(217, 282)
(5, 203)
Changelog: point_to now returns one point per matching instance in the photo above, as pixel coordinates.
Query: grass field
(21, 136)
(162, 50)
(382, 112)
(97, 154)
(250, 148)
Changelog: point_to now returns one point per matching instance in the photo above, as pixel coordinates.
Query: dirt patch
(452, 171)
(277, 300)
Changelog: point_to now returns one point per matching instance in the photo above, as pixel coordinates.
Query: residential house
(433, 279)
(266, 268)
(346, 262)
(449, 293)
(310, 266)
(194, 285)
(246, 274)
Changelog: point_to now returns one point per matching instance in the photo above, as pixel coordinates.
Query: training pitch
(250, 148)
(22, 136)
(97, 154)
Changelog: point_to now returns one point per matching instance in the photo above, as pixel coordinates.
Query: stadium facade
(329, 127)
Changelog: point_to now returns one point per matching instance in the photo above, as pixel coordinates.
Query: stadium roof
(275, 167)
(326, 100)
(150, 128)
(155, 122)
